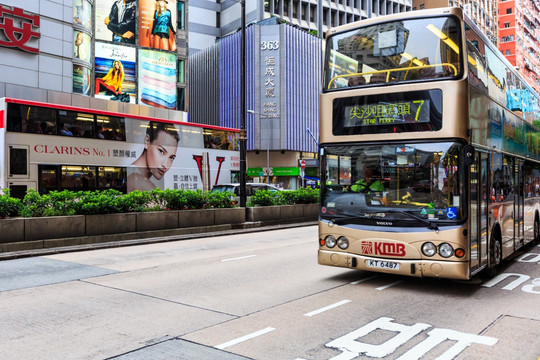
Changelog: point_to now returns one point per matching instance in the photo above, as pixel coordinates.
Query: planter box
(53, 227)
(111, 224)
(263, 213)
(11, 230)
(292, 212)
(311, 211)
(229, 216)
(157, 220)
(193, 218)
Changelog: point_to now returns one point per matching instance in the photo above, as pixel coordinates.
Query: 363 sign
(17, 29)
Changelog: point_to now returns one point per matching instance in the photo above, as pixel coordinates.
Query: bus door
(18, 174)
(518, 205)
(478, 229)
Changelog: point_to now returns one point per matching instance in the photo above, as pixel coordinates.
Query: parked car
(251, 188)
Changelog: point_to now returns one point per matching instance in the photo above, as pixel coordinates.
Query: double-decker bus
(430, 157)
(50, 147)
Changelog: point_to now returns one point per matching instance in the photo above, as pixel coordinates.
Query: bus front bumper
(408, 267)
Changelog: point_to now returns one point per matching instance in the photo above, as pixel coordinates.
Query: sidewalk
(194, 233)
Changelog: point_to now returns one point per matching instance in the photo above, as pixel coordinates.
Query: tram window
(112, 178)
(18, 161)
(110, 128)
(31, 119)
(78, 177)
(76, 124)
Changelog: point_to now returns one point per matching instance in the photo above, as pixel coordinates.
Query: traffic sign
(302, 164)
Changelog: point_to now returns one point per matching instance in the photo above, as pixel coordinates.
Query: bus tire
(536, 230)
(495, 256)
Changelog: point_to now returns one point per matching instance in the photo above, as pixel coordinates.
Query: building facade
(483, 13)
(519, 34)
(67, 46)
(283, 77)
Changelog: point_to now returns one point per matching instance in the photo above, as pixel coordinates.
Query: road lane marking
(244, 338)
(363, 280)
(389, 285)
(329, 307)
(238, 258)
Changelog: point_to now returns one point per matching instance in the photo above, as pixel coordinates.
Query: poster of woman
(115, 72)
(156, 158)
(157, 24)
(157, 79)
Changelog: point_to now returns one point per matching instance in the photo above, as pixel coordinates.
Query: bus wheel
(495, 256)
(536, 230)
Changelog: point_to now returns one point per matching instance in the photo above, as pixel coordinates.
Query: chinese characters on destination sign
(387, 113)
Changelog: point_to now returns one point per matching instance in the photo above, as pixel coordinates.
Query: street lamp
(267, 151)
(243, 136)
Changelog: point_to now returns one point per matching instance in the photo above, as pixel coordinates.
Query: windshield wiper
(344, 218)
(429, 224)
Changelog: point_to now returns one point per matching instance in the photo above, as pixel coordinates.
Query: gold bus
(429, 149)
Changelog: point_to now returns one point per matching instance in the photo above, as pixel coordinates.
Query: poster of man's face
(116, 20)
(158, 24)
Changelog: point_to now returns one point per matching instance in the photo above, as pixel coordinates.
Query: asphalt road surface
(258, 295)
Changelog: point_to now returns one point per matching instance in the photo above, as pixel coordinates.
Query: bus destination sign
(387, 113)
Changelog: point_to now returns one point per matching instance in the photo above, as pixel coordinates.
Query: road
(257, 296)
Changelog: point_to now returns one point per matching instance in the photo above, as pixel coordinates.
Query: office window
(181, 71)
(509, 10)
(181, 15)
(508, 52)
(506, 24)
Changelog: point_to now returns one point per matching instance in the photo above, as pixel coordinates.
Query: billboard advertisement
(81, 45)
(157, 24)
(157, 79)
(82, 13)
(81, 79)
(115, 72)
(116, 20)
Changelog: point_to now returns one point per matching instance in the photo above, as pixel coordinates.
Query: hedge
(61, 203)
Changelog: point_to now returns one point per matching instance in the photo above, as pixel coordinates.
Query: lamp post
(243, 136)
(267, 151)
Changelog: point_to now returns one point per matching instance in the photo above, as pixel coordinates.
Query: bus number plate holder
(383, 264)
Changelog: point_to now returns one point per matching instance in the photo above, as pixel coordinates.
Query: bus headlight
(330, 241)
(446, 250)
(342, 242)
(429, 249)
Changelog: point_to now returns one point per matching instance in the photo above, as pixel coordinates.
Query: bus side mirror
(468, 154)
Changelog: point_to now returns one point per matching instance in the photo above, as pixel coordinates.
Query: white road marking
(239, 258)
(244, 338)
(389, 285)
(363, 280)
(321, 310)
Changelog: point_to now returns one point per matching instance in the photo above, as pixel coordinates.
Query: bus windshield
(408, 184)
(394, 52)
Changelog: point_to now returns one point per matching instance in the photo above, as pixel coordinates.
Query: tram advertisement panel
(161, 158)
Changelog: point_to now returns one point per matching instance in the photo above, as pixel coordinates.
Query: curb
(236, 229)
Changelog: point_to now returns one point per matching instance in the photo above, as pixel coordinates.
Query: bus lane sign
(351, 348)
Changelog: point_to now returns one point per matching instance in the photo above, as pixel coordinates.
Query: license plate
(383, 264)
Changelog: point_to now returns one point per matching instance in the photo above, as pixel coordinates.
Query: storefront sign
(11, 35)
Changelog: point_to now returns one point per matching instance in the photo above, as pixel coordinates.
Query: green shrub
(9, 207)
(219, 199)
(307, 196)
(266, 198)
(102, 202)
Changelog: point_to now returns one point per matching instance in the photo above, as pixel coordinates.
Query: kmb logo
(13, 36)
(382, 248)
